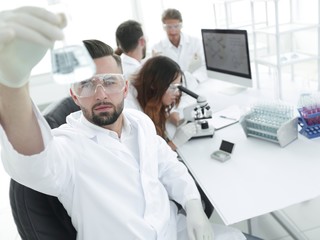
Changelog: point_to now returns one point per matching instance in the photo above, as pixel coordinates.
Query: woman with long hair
(155, 91)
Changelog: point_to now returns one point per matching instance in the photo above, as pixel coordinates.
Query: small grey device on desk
(224, 152)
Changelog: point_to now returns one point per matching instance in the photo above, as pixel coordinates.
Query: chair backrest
(39, 216)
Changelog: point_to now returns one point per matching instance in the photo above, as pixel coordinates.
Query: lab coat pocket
(195, 63)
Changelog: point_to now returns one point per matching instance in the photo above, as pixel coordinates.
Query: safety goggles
(110, 83)
(177, 26)
(174, 88)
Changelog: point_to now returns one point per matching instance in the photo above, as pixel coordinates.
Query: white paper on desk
(225, 117)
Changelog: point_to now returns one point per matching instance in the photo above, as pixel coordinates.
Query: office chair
(39, 216)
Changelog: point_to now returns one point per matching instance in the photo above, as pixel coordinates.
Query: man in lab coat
(108, 167)
(132, 44)
(186, 50)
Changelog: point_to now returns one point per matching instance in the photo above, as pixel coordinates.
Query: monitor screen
(227, 55)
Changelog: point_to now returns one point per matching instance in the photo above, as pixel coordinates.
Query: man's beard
(105, 118)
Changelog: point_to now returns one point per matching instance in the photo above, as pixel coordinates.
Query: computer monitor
(227, 58)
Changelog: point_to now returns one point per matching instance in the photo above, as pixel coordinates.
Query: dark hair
(128, 34)
(171, 13)
(98, 49)
(151, 83)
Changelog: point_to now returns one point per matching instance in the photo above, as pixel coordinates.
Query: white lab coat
(131, 100)
(220, 232)
(108, 193)
(189, 55)
(129, 65)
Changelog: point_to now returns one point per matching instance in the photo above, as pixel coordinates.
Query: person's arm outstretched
(25, 36)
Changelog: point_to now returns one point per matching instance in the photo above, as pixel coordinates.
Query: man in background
(186, 50)
(131, 46)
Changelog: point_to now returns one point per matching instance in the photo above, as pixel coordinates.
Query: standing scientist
(186, 50)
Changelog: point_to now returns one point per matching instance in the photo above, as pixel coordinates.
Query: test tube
(71, 61)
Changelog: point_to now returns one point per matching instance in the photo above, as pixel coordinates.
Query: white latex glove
(26, 34)
(198, 225)
(184, 133)
(156, 53)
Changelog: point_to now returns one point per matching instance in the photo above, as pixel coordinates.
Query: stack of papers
(225, 117)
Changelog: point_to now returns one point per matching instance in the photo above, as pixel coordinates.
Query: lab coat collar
(77, 120)
(129, 60)
(184, 39)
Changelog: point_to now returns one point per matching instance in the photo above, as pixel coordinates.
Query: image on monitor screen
(227, 55)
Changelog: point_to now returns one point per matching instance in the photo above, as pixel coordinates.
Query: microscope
(198, 113)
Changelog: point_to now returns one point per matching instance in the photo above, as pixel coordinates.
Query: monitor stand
(232, 90)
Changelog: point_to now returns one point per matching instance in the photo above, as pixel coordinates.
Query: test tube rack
(263, 128)
(309, 123)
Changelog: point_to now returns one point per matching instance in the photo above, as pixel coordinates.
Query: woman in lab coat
(155, 91)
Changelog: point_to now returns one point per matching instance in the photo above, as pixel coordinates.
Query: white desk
(261, 177)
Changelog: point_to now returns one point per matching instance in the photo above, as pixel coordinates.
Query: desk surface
(261, 177)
